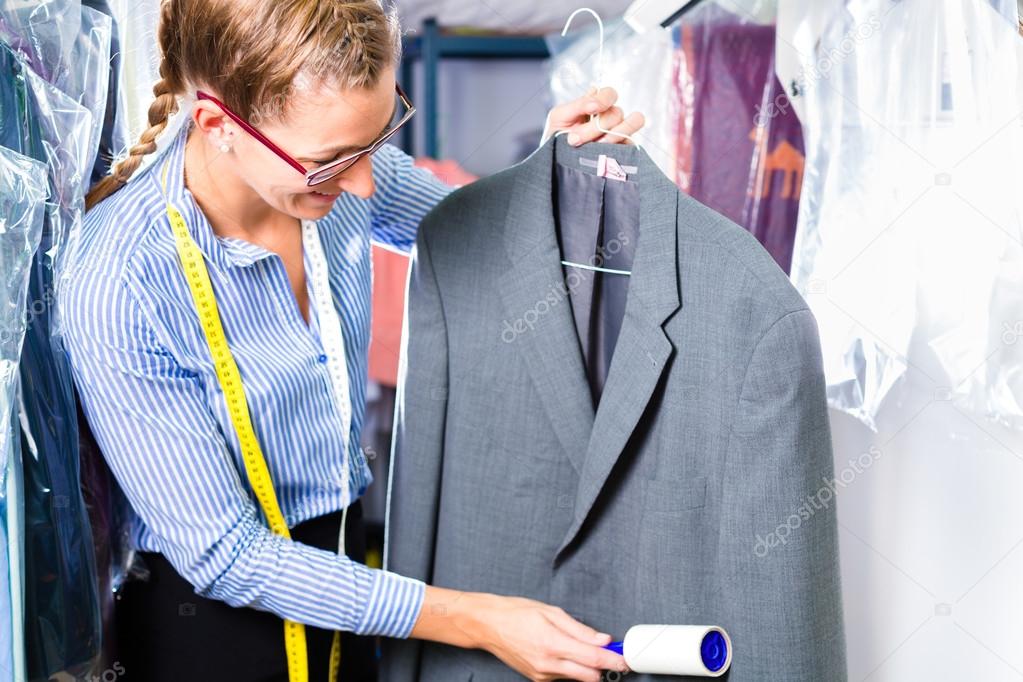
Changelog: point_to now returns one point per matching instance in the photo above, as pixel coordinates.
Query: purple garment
(740, 143)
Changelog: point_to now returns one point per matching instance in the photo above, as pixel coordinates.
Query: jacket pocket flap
(673, 495)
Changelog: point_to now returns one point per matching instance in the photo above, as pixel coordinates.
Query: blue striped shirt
(150, 393)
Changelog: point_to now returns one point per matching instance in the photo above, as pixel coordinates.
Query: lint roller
(697, 650)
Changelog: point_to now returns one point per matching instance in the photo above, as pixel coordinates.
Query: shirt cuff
(394, 605)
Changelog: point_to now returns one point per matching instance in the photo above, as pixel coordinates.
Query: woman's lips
(323, 197)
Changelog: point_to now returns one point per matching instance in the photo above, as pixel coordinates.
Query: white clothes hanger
(598, 73)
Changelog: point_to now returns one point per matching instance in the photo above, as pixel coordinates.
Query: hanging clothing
(62, 621)
(739, 142)
(718, 121)
(921, 259)
(22, 193)
(711, 429)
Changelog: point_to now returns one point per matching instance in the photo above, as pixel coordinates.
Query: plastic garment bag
(61, 602)
(86, 83)
(44, 33)
(909, 229)
(113, 134)
(636, 66)
(739, 142)
(22, 197)
(718, 121)
(137, 21)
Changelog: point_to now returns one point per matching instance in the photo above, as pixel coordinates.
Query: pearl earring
(225, 148)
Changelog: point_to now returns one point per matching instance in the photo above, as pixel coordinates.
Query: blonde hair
(252, 53)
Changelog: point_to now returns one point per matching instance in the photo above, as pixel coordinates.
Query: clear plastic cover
(22, 195)
(85, 83)
(137, 21)
(718, 121)
(50, 121)
(739, 141)
(44, 33)
(909, 232)
(634, 65)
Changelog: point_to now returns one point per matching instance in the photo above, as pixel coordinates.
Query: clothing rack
(685, 9)
(432, 45)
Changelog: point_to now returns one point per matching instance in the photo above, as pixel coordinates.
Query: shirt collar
(223, 251)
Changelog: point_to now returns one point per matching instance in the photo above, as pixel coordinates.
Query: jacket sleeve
(778, 546)
(413, 496)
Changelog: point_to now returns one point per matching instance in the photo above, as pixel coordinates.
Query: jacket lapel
(643, 348)
(538, 312)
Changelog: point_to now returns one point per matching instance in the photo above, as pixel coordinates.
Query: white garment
(910, 220)
(908, 253)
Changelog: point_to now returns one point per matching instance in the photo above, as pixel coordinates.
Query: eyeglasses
(335, 167)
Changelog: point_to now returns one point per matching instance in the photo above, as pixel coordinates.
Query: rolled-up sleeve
(404, 195)
(173, 463)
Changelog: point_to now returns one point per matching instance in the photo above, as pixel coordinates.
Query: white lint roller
(696, 650)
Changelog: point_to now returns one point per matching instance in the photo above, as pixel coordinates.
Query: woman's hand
(575, 118)
(538, 641)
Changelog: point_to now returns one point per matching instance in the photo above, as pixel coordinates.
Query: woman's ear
(215, 125)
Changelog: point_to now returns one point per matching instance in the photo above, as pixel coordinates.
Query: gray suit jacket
(699, 492)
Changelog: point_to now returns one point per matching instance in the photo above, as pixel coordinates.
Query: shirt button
(322, 358)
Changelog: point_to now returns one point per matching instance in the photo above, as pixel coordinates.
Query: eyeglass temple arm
(252, 131)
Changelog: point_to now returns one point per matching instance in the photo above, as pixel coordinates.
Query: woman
(292, 97)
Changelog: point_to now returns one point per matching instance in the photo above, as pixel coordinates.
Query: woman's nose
(358, 179)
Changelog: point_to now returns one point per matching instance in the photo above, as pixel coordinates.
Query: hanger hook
(599, 72)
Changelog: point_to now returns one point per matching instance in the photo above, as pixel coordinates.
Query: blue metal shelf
(432, 46)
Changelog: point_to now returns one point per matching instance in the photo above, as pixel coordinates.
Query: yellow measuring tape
(231, 384)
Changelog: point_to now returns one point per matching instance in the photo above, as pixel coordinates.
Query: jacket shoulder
(707, 236)
(472, 212)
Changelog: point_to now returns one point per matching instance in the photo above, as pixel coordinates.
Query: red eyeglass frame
(317, 175)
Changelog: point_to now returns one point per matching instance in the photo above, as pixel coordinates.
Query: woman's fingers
(630, 126)
(570, 115)
(567, 115)
(578, 120)
(539, 641)
(582, 645)
(572, 627)
(590, 656)
(590, 130)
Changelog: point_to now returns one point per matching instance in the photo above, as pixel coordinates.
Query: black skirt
(168, 633)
